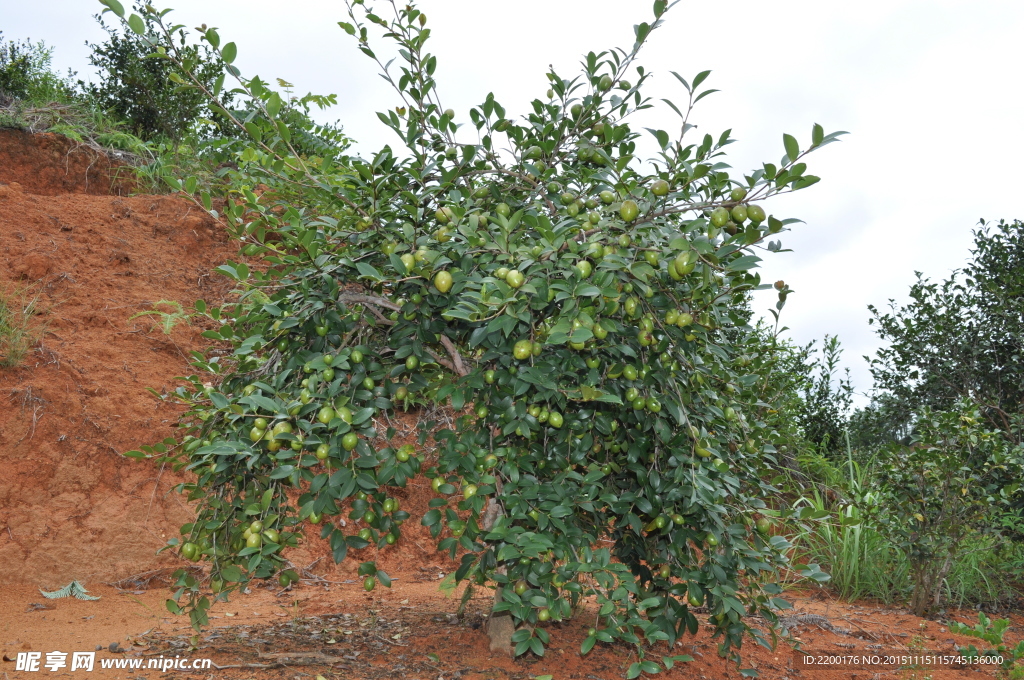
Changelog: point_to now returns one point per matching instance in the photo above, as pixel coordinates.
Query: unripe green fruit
(629, 210)
(755, 213)
(659, 187)
(738, 194)
(739, 214)
(522, 349)
(719, 217)
(607, 197)
(605, 83)
(443, 281)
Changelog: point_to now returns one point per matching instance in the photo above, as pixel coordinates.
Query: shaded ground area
(336, 630)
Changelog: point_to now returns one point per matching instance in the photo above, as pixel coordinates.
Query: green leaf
(348, 28)
(137, 25)
(650, 667)
(229, 52)
(792, 148)
(817, 134)
(274, 105)
(368, 271)
(114, 6)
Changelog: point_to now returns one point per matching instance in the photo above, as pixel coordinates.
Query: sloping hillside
(70, 505)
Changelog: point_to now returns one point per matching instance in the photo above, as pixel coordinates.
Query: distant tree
(827, 397)
(959, 338)
(141, 90)
(26, 73)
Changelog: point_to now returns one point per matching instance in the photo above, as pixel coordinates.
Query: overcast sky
(931, 92)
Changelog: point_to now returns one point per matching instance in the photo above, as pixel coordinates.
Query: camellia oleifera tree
(586, 315)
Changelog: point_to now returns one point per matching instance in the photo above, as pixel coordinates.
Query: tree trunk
(499, 624)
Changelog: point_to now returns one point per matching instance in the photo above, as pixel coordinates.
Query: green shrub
(590, 310)
(142, 91)
(948, 486)
(26, 73)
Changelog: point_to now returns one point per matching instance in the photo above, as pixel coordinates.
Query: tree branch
(453, 352)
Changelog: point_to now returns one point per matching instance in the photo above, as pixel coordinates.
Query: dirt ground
(71, 507)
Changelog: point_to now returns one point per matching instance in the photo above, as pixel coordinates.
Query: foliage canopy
(585, 314)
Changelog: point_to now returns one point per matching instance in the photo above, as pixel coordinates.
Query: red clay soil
(50, 165)
(71, 507)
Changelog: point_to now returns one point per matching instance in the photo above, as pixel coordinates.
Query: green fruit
(607, 197)
(323, 451)
(659, 187)
(712, 540)
(521, 587)
(325, 415)
(443, 281)
(254, 541)
(503, 209)
(584, 268)
(411, 362)
(349, 441)
(738, 194)
(631, 394)
(653, 405)
(408, 260)
(755, 213)
(515, 278)
(260, 423)
(489, 377)
(629, 210)
(629, 372)
(328, 374)
(345, 414)
(763, 525)
(356, 357)
(719, 217)
(522, 349)
(555, 419)
(272, 535)
(314, 518)
(605, 83)
(327, 359)
(469, 491)
(256, 434)
(369, 583)
(545, 614)
(739, 214)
